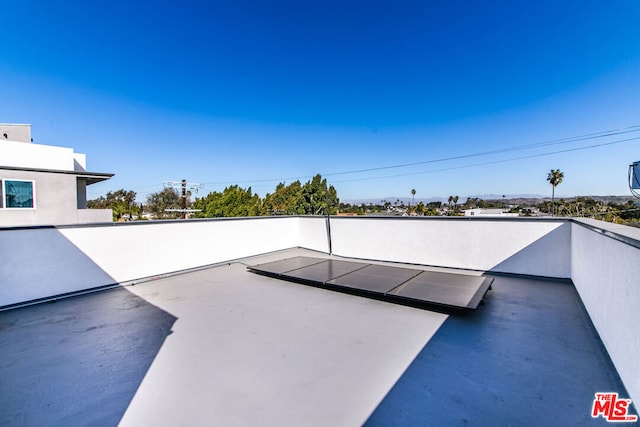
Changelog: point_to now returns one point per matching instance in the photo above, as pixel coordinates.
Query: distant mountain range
(514, 199)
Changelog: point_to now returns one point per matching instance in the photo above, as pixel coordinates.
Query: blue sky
(257, 92)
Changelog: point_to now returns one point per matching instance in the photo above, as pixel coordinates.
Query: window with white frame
(17, 193)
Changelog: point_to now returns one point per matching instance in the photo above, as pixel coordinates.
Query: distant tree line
(310, 198)
(295, 198)
(623, 212)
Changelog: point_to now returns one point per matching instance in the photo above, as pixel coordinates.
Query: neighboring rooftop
(15, 132)
(18, 151)
(44, 184)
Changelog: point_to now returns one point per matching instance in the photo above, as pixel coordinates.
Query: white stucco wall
(15, 132)
(312, 233)
(37, 156)
(521, 246)
(606, 274)
(79, 162)
(92, 256)
(132, 251)
(55, 200)
(41, 262)
(93, 216)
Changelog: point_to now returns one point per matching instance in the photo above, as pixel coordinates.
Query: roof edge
(87, 174)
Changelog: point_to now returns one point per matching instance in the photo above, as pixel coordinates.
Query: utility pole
(183, 185)
(184, 199)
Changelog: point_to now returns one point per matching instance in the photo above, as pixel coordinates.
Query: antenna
(183, 185)
(634, 179)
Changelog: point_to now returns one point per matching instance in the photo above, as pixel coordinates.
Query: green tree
(314, 193)
(157, 203)
(454, 200)
(555, 178)
(413, 197)
(121, 202)
(234, 201)
(285, 200)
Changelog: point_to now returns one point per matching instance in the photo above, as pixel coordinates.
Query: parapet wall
(41, 262)
(519, 246)
(605, 261)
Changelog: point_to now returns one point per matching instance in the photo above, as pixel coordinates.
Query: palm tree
(555, 178)
(454, 200)
(413, 196)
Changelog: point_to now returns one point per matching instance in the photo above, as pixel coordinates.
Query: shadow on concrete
(77, 361)
(529, 356)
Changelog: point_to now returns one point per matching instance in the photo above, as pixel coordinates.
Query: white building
(488, 213)
(43, 184)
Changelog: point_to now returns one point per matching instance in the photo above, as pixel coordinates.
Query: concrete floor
(224, 346)
(221, 346)
(529, 356)
(78, 361)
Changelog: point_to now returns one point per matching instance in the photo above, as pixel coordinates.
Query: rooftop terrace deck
(223, 346)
